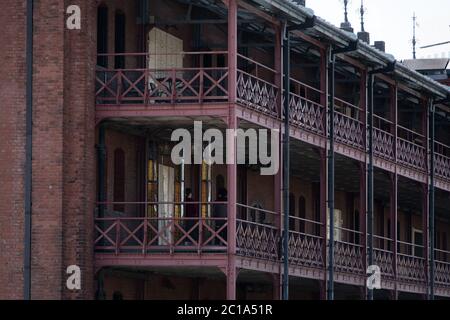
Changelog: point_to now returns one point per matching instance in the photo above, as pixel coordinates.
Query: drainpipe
(370, 188)
(331, 110)
(431, 195)
(370, 178)
(352, 46)
(28, 154)
(308, 23)
(286, 162)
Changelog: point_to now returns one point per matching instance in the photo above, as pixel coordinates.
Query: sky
(391, 21)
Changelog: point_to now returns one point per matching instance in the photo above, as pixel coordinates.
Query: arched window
(119, 43)
(102, 35)
(302, 213)
(119, 179)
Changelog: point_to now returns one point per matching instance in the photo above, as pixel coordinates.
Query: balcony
(189, 79)
(258, 237)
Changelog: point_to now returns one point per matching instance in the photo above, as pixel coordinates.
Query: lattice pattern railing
(349, 258)
(442, 273)
(442, 166)
(349, 130)
(305, 250)
(383, 144)
(256, 240)
(411, 154)
(134, 235)
(385, 260)
(442, 160)
(307, 114)
(257, 94)
(410, 268)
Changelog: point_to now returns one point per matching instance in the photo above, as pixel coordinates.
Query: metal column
(331, 110)
(431, 197)
(370, 228)
(286, 164)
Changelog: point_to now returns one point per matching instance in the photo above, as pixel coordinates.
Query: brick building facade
(105, 102)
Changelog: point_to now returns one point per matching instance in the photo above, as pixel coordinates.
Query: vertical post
(231, 151)
(278, 185)
(363, 190)
(432, 196)
(323, 169)
(394, 236)
(363, 216)
(286, 164)
(426, 198)
(323, 219)
(394, 191)
(232, 49)
(278, 66)
(330, 289)
(101, 161)
(370, 179)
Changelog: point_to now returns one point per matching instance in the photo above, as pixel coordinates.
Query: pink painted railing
(442, 160)
(256, 234)
(411, 149)
(442, 267)
(348, 128)
(255, 86)
(410, 263)
(305, 110)
(383, 256)
(136, 83)
(305, 243)
(383, 140)
(348, 253)
(126, 232)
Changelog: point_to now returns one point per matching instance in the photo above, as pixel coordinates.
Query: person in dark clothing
(220, 211)
(191, 212)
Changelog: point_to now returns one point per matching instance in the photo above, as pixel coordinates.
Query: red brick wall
(48, 117)
(79, 148)
(12, 150)
(63, 148)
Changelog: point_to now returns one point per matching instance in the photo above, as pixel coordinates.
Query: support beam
(231, 152)
(323, 218)
(331, 156)
(426, 198)
(232, 49)
(286, 163)
(370, 197)
(432, 121)
(394, 221)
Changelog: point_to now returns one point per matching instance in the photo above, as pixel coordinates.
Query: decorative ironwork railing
(442, 160)
(306, 111)
(383, 256)
(410, 263)
(255, 88)
(139, 82)
(348, 252)
(411, 150)
(305, 243)
(348, 129)
(127, 232)
(442, 267)
(256, 235)
(383, 139)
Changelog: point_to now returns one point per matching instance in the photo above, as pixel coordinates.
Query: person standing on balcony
(191, 214)
(220, 214)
